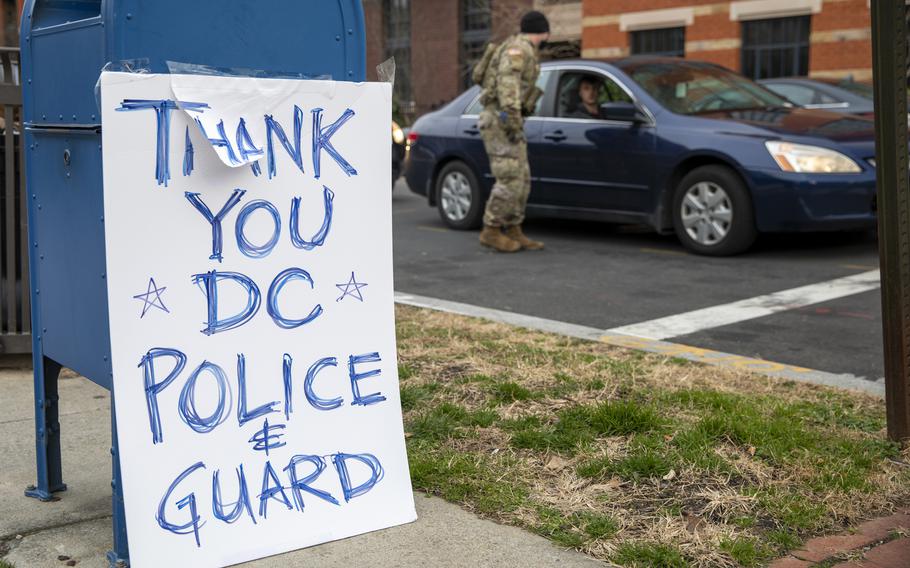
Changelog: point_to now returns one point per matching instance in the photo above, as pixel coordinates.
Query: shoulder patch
(513, 51)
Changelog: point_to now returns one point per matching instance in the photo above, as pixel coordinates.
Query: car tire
(712, 212)
(458, 197)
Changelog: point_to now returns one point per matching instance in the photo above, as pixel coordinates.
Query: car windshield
(694, 88)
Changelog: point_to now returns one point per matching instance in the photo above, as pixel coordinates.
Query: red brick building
(436, 42)
(9, 22)
(759, 38)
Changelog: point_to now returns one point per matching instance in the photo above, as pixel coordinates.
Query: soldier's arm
(508, 92)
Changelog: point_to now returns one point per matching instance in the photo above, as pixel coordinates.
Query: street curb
(695, 354)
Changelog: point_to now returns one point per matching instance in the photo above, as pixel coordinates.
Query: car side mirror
(622, 112)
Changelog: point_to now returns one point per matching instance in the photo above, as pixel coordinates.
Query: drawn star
(156, 302)
(351, 288)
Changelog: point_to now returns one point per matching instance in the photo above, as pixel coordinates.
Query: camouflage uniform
(509, 79)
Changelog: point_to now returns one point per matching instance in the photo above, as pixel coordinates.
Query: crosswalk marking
(751, 308)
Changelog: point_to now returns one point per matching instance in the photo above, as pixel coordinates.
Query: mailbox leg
(47, 429)
(119, 557)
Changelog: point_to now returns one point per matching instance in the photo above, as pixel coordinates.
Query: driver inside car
(589, 91)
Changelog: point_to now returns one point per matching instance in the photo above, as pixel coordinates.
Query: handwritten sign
(249, 273)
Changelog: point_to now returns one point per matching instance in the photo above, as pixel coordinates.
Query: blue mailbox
(64, 47)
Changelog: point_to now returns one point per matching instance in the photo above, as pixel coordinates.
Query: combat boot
(514, 233)
(494, 238)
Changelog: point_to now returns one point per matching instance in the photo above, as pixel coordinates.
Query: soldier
(510, 93)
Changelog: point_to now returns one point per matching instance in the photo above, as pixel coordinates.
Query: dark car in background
(837, 95)
(680, 145)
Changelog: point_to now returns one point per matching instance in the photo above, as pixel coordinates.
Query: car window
(797, 94)
(692, 87)
(825, 99)
(861, 89)
(580, 94)
(475, 107)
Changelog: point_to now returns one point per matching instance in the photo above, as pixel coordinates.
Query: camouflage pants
(509, 164)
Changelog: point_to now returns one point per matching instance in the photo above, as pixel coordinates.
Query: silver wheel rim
(707, 213)
(455, 196)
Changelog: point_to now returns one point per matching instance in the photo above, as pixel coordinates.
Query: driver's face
(588, 93)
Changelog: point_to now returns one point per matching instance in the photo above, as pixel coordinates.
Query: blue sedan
(683, 146)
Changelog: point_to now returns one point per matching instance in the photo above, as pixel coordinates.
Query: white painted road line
(511, 318)
(751, 308)
(696, 354)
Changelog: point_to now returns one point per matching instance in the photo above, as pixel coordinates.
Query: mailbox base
(115, 561)
(47, 427)
(42, 495)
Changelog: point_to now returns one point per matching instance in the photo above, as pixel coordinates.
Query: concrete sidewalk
(78, 526)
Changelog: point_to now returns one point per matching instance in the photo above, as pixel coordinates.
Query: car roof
(833, 81)
(629, 61)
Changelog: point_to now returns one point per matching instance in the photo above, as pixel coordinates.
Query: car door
(593, 163)
(471, 145)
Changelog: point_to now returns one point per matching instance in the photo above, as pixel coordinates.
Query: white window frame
(656, 19)
(767, 9)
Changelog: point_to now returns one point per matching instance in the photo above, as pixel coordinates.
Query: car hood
(775, 121)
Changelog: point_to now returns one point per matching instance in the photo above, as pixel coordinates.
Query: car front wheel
(712, 212)
(458, 197)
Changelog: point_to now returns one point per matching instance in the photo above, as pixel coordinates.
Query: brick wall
(9, 22)
(375, 29)
(436, 69)
(507, 16)
(840, 40)
(435, 31)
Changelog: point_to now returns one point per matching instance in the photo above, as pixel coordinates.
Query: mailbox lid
(62, 54)
(65, 44)
(313, 38)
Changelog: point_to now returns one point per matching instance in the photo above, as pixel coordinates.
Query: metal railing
(15, 316)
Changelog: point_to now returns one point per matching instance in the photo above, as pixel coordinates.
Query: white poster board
(248, 233)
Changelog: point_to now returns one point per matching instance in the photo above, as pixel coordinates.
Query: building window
(776, 48)
(397, 15)
(669, 42)
(476, 22)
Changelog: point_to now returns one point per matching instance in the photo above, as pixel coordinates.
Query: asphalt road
(606, 276)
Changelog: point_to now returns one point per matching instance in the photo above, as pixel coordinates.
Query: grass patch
(448, 420)
(574, 530)
(508, 392)
(650, 555)
(578, 425)
(636, 459)
(790, 509)
(412, 396)
(463, 479)
(640, 463)
(558, 527)
(747, 551)
(405, 372)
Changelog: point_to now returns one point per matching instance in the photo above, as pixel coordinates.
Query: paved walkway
(76, 529)
(880, 543)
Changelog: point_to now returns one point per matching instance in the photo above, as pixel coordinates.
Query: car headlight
(810, 159)
(397, 133)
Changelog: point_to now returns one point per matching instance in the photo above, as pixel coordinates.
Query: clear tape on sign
(385, 71)
(183, 68)
(141, 65)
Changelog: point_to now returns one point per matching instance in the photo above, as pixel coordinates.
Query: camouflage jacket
(511, 76)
